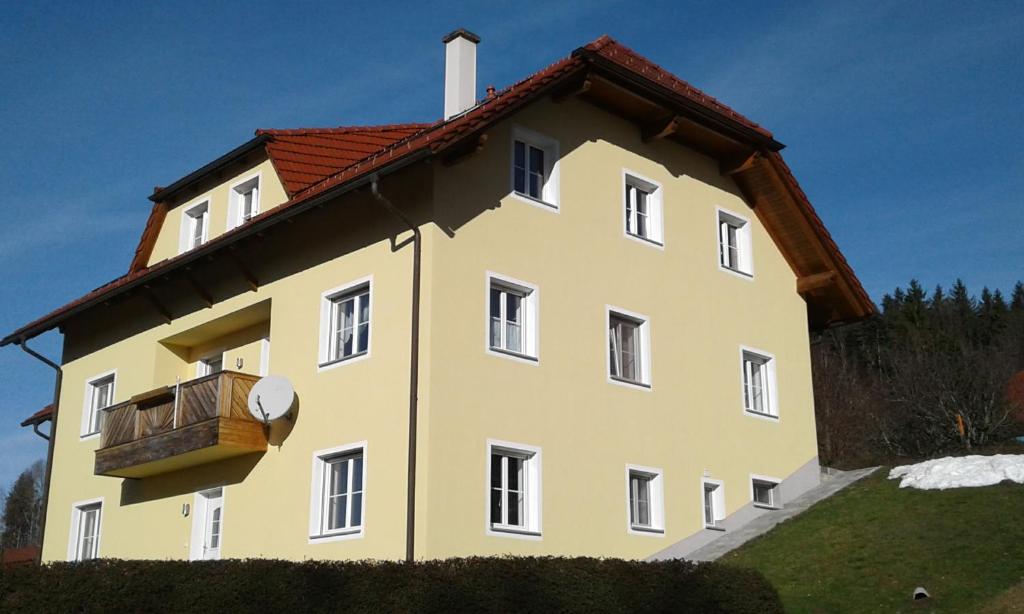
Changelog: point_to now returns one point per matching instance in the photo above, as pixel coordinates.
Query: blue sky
(902, 120)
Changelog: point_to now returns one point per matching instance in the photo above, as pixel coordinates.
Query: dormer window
(245, 202)
(195, 226)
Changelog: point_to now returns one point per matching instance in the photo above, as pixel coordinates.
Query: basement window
(765, 493)
(535, 168)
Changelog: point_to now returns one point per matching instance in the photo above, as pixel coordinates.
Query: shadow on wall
(187, 481)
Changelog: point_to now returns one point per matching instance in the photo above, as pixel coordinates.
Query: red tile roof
(313, 161)
(40, 416)
(307, 156)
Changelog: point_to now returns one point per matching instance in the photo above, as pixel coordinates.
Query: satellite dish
(271, 398)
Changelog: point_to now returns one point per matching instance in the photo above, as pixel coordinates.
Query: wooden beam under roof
(815, 281)
(661, 129)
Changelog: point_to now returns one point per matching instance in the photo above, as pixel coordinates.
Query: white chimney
(459, 71)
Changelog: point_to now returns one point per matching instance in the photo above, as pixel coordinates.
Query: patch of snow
(961, 471)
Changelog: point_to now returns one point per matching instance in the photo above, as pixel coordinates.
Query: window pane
(336, 512)
(537, 161)
(519, 168)
(364, 338)
(763, 493)
(709, 509)
(628, 350)
(515, 508)
(496, 505)
(515, 466)
(364, 307)
(357, 510)
(357, 473)
(496, 471)
(613, 349)
(535, 184)
(339, 477)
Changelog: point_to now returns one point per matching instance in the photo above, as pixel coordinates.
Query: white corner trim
(534, 493)
(773, 386)
(83, 431)
(655, 214)
(552, 187)
(747, 243)
(316, 488)
(646, 378)
(265, 355)
(76, 517)
(324, 306)
(657, 502)
(532, 315)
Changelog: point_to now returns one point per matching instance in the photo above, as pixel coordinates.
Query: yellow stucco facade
(585, 429)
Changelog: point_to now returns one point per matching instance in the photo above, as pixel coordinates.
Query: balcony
(170, 428)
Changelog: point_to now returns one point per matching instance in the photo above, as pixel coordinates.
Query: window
(195, 226)
(645, 497)
(338, 502)
(535, 168)
(210, 365)
(734, 250)
(764, 492)
(513, 489)
(628, 348)
(345, 323)
(714, 502)
(511, 317)
(99, 394)
(244, 202)
(85, 530)
(643, 209)
(759, 383)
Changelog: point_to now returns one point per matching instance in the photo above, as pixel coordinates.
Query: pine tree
(1017, 302)
(21, 517)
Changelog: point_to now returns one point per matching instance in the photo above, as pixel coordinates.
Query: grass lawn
(868, 547)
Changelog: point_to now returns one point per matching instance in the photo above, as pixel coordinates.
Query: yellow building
(571, 318)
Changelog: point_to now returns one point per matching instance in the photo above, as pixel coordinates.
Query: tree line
(929, 375)
(21, 523)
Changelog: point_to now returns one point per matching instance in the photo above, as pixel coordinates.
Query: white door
(212, 523)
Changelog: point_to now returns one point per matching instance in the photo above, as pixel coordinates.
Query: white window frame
(235, 192)
(197, 540)
(188, 225)
(88, 413)
(656, 501)
(549, 200)
(655, 209)
(644, 323)
(203, 369)
(533, 489)
(776, 502)
(325, 361)
(772, 397)
(77, 510)
(744, 243)
(317, 490)
(530, 308)
(717, 503)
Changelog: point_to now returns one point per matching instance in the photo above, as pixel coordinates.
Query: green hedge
(509, 584)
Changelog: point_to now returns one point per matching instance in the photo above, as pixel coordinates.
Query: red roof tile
(40, 416)
(314, 160)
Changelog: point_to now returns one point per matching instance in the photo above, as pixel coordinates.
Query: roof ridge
(343, 129)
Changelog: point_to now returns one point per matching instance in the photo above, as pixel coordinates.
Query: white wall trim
(646, 379)
(551, 189)
(316, 488)
(83, 431)
(323, 364)
(774, 416)
(657, 502)
(656, 212)
(265, 354)
(76, 516)
(531, 314)
(534, 491)
(746, 240)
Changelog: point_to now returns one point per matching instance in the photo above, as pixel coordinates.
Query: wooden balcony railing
(169, 428)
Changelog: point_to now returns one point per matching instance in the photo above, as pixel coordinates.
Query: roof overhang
(168, 193)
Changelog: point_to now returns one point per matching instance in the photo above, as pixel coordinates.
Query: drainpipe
(414, 367)
(53, 437)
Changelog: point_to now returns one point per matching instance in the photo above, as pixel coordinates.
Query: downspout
(51, 439)
(414, 367)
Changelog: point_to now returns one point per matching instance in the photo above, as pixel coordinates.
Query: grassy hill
(868, 547)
